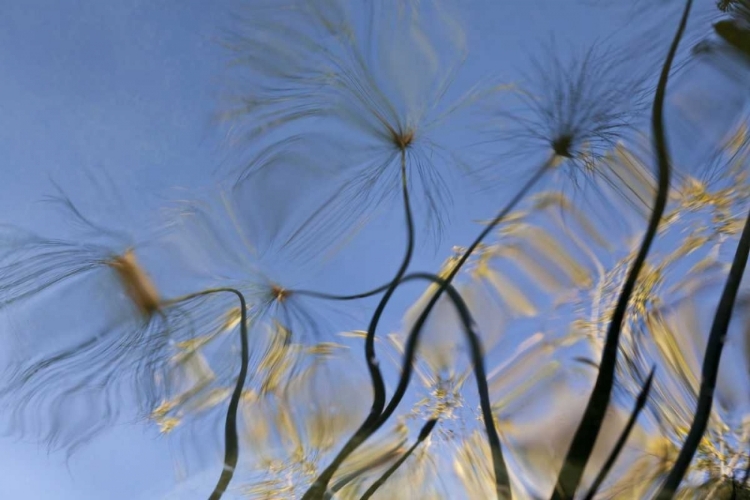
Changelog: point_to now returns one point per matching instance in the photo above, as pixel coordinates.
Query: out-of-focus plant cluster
(577, 344)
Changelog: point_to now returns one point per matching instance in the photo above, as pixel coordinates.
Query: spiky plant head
(217, 242)
(576, 106)
(383, 94)
(108, 337)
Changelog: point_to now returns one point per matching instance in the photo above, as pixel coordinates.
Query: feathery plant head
(576, 108)
(34, 263)
(212, 239)
(338, 111)
(384, 89)
(357, 63)
(62, 365)
(127, 345)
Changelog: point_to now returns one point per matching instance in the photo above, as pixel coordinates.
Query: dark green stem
(710, 371)
(318, 488)
(639, 404)
(501, 474)
(330, 296)
(426, 430)
(231, 441)
(232, 450)
(591, 423)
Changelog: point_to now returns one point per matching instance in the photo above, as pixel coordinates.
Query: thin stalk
(710, 370)
(501, 475)
(502, 480)
(443, 284)
(639, 404)
(231, 441)
(423, 434)
(330, 296)
(591, 423)
(318, 488)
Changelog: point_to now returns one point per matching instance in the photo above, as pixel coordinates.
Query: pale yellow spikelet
(738, 139)
(232, 319)
(168, 424)
(161, 410)
(138, 285)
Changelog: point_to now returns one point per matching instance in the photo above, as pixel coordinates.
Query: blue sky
(133, 87)
(128, 86)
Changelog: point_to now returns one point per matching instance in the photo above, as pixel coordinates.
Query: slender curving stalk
(423, 434)
(498, 218)
(501, 475)
(591, 423)
(710, 370)
(330, 296)
(319, 487)
(639, 404)
(231, 441)
(502, 480)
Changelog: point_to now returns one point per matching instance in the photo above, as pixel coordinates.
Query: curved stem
(639, 404)
(426, 430)
(329, 296)
(462, 260)
(492, 225)
(588, 430)
(367, 429)
(318, 488)
(231, 441)
(710, 370)
(502, 480)
(443, 284)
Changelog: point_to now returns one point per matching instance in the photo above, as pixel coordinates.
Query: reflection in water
(337, 109)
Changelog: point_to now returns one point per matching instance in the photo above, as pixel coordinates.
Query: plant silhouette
(598, 304)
